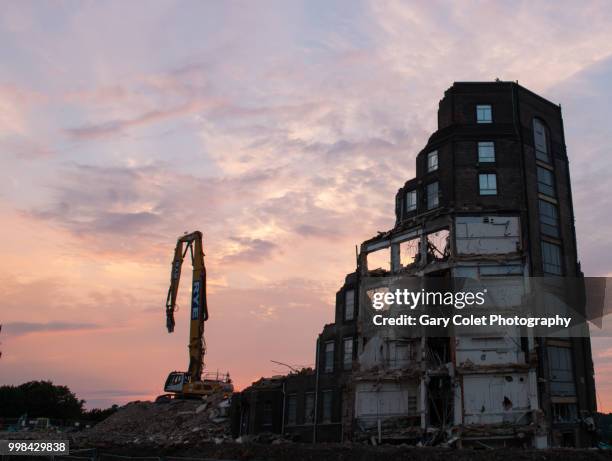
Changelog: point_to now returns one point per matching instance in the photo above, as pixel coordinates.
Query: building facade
(491, 197)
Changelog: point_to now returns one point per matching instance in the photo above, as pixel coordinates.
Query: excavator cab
(179, 383)
(175, 382)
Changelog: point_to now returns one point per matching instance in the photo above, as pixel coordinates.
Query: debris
(162, 424)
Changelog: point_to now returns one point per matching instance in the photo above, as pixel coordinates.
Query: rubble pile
(167, 423)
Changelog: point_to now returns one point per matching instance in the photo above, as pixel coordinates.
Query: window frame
(484, 107)
(483, 159)
(327, 404)
(347, 364)
(480, 189)
(548, 222)
(268, 414)
(291, 421)
(328, 365)
(543, 187)
(432, 166)
(436, 196)
(309, 418)
(551, 264)
(543, 155)
(413, 206)
(561, 370)
(346, 306)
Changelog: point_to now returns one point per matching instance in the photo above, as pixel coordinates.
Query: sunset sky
(281, 130)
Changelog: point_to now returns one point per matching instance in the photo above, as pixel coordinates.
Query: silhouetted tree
(40, 399)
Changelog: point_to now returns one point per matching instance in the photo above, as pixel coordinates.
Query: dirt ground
(340, 452)
(287, 451)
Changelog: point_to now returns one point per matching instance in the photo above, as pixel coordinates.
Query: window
(484, 114)
(267, 414)
(309, 402)
(432, 195)
(349, 305)
(486, 152)
(551, 258)
(327, 396)
(540, 140)
(561, 374)
(412, 405)
(565, 412)
(549, 218)
(411, 200)
(291, 409)
(347, 360)
(329, 356)
(432, 161)
(546, 182)
(487, 184)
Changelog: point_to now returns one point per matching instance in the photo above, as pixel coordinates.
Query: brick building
(491, 197)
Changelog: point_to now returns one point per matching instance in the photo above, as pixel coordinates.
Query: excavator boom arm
(191, 243)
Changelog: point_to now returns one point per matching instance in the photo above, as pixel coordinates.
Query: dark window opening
(551, 258)
(486, 152)
(546, 182)
(433, 199)
(327, 398)
(549, 218)
(291, 409)
(329, 356)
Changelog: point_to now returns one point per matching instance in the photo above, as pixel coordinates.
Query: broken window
(379, 259)
(432, 161)
(291, 409)
(546, 182)
(409, 252)
(551, 258)
(401, 353)
(349, 305)
(327, 397)
(432, 195)
(329, 357)
(484, 113)
(549, 218)
(564, 412)
(539, 140)
(486, 152)
(561, 372)
(309, 401)
(438, 245)
(411, 200)
(437, 351)
(347, 360)
(487, 184)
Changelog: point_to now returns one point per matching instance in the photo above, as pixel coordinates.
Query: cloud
(25, 328)
(112, 127)
(15, 102)
(251, 250)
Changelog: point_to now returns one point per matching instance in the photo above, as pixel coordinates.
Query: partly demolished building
(491, 198)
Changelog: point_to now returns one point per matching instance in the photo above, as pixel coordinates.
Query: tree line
(45, 399)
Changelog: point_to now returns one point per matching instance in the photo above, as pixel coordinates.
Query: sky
(281, 130)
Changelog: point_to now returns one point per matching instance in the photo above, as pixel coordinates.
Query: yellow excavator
(192, 383)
